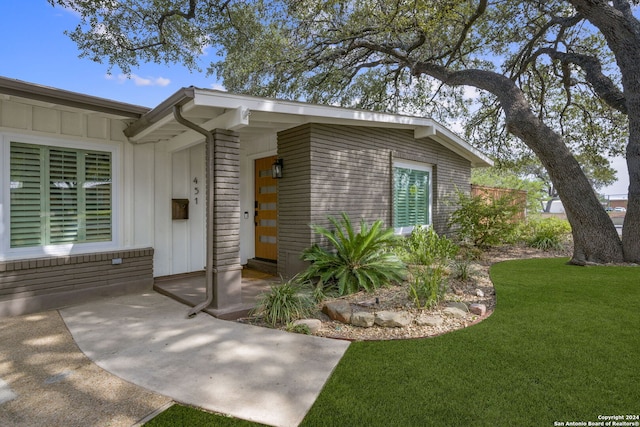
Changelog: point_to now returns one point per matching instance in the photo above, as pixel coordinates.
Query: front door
(266, 214)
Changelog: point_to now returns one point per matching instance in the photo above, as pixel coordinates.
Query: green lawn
(563, 345)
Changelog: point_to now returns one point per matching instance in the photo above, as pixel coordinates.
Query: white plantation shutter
(63, 196)
(59, 195)
(97, 195)
(410, 197)
(26, 188)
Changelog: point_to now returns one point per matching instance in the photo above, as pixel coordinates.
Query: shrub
(462, 270)
(546, 234)
(425, 247)
(362, 260)
(298, 329)
(285, 302)
(470, 253)
(485, 223)
(427, 286)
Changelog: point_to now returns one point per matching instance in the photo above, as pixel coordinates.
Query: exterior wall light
(276, 169)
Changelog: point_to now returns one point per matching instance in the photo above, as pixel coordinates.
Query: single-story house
(98, 197)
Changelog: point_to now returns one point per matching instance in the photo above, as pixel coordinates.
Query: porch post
(224, 219)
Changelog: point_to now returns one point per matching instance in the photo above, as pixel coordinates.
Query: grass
(563, 345)
(186, 416)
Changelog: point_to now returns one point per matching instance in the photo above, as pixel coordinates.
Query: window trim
(409, 164)
(6, 251)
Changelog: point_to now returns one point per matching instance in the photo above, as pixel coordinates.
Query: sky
(36, 50)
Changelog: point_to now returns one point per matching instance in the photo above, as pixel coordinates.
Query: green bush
(462, 270)
(427, 286)
(546, 234)
(485, 223)
(425, 247)
(298, 329)
(362, 260)
(285, 302)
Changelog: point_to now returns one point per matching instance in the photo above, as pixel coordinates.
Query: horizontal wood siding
(330, 169)
(38, 284)
(350, 173)
(363, 188)
(452, 173)
(294, 203)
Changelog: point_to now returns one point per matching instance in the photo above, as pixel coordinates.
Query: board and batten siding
(330, 169)
(35, 282)
(60, 122)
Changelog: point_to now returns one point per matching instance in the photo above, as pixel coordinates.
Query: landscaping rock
(426, 320)
(314, 325)
(392, 319)
(479, 309)
(368, 303)
(479, 293)
(455, 312)
(459, 305)
(363, 319)
(323, 317)
(338, 310)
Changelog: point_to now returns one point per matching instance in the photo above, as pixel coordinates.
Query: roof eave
(230, 101)
(37, 92)
(458, 145)
(180, 97)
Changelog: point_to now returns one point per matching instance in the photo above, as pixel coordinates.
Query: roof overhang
(49, 95)
(211, 109)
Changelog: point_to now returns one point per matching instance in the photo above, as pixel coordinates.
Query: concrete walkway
(253, 373)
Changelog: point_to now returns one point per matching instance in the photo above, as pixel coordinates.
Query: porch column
(224, 219)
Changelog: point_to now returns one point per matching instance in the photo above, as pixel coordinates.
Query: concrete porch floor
(190, 289)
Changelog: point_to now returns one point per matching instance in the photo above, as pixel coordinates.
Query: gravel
(50, 382)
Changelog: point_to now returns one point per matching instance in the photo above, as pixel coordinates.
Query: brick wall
(29, 286)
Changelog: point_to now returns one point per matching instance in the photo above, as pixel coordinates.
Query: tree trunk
(630, 66)
(631, 225)
(621, 29)
(628, 58)
(595, 239)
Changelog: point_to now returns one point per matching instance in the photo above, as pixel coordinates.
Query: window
(411, 196)
(59, 195)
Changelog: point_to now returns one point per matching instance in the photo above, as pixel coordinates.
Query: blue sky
(35, 50)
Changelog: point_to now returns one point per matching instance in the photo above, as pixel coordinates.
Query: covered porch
(210, 193)
(190, 289)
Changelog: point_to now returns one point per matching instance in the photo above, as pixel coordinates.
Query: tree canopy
(558, 80)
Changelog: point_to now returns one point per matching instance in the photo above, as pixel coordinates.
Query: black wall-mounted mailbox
(180, 209)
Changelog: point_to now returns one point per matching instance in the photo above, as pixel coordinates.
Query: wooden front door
(266, 214)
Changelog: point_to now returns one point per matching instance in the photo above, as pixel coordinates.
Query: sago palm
(357, 261)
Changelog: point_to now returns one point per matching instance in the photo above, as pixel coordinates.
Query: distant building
(618, 203)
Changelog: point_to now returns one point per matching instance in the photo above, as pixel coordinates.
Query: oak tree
(557, 79)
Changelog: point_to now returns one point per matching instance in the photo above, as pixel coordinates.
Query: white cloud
(140, 81)
(471, 92)
(218, 86)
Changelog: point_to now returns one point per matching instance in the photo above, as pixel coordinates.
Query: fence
(519, 197)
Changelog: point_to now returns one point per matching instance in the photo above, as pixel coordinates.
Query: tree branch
(603, 85)
(482, 7)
